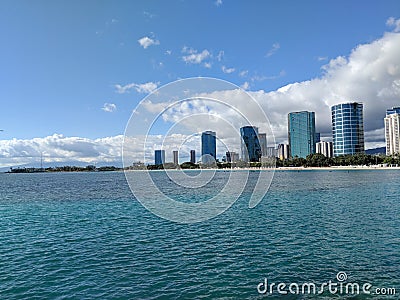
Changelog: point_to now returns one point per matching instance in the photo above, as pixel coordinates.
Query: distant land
(56, 166)
(380, 150)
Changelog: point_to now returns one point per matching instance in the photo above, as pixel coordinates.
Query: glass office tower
(159, 157)
(208, 147)
(301, 133)
(347, 128)
(250, 144)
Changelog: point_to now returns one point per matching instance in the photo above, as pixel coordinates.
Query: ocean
(85, 236)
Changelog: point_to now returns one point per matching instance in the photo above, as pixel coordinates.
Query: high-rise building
(393, 110)
(193, 156)
(175, 156)
(208, 147)
(325, 148)
(272, 152)
(392, 131)
(159, 157)
(283, 151)
(317, 137)
(347, 128)
(301, 133)
(250, 144)
(231, 157)
(262, 137)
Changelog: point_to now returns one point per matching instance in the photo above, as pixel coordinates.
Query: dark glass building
(208, 147)
(159, 157)
(347, 128)
(250, 144)
(193, 156)
(301, 133)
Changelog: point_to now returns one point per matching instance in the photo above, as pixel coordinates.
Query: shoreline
(333, 168)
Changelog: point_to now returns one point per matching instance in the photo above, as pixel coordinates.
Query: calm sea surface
(84, 236)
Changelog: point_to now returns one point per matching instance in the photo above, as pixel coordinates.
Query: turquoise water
(84, 236)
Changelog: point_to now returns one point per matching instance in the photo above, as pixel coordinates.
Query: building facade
(301, 133)
(325, 148)
(231, 157)
(208, 147)
(392, 131)
(159, 157)
(347, 128)
(193, 156)
(283, 151)
(262, 137)
(175, 156)
(250, 144)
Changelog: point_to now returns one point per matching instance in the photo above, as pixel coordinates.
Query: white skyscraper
(392, 131)
(325, 148)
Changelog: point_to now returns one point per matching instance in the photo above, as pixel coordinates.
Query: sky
(72, 72)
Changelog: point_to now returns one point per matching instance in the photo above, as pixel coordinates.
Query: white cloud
(148, 15)
(322, 58)
(245, 85)
(369, 74)
(220, 55)
(147, 87)
(395, 23)
(109, 107)
(193, 57)
(168, 52)
(218, 2)
(227, 70)
(243, 73)
(272, 51)
(146, 42)
(58, 148)
(208, 65)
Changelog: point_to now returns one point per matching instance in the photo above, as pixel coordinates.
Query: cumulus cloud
(394, 23)
(144, 88)
(272, 51)
(369, 74)
(109, 107)
(227, 70)
(218, 2)
(193, 56)
(146, 42)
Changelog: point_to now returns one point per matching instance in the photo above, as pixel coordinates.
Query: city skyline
(347, 135)
(73, 73)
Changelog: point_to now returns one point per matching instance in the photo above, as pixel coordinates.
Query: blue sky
(63, 61)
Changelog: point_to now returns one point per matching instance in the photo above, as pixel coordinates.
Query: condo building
(250, 144)
(325, 148)
(231, 157)
(208, 147)
(301, 133)
(283, 151)
(159, 157)
(347, 128)
(392, 131)
(193, 156)
(175, 156)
